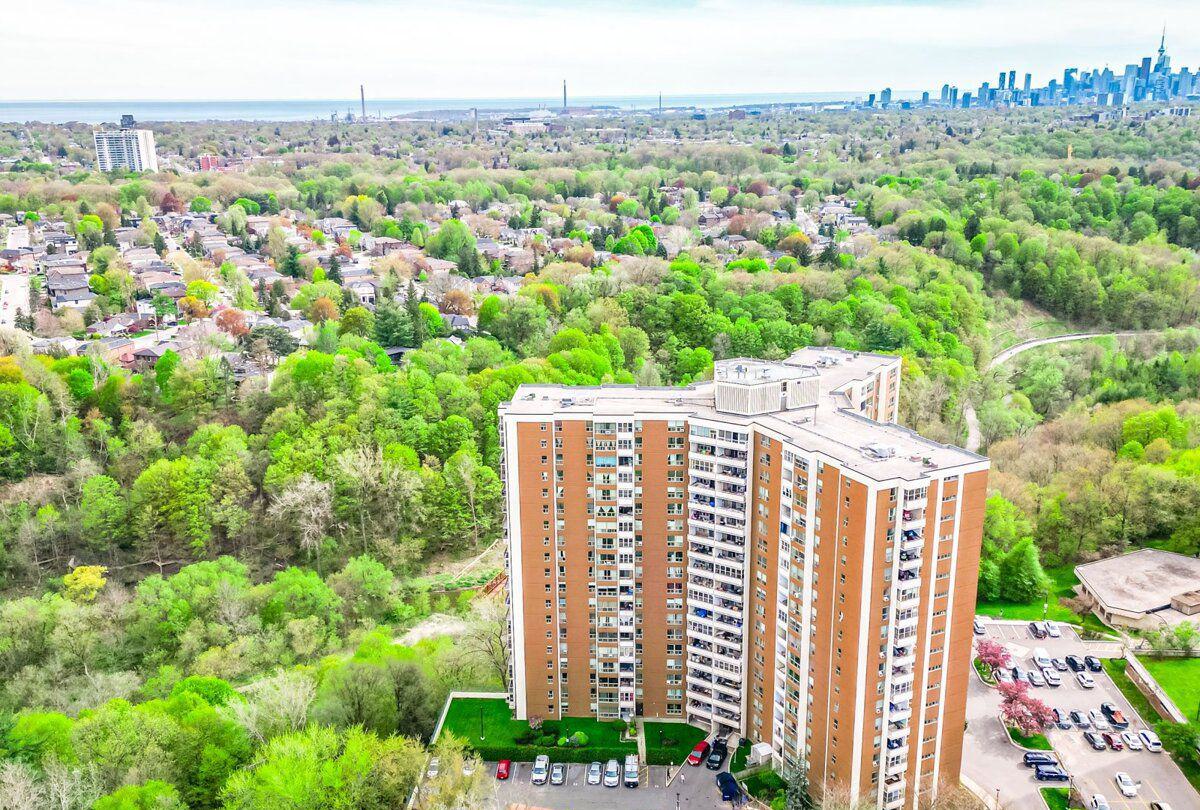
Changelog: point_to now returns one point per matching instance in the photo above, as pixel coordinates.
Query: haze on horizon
(306, 49)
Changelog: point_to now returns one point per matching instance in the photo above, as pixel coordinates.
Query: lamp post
(481, 721)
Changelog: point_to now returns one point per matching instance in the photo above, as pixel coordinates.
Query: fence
(495, 583)
(1149, 687)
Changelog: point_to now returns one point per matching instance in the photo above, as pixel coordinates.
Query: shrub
(579, 739)
(562, 742)
(550, 727)
(547, 740)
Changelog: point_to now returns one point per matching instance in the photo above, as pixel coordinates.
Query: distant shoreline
(293, 110)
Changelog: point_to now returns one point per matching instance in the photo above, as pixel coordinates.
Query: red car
(1114, 741)
(502, 768)
(698, 753)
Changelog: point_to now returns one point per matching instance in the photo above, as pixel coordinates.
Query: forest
(205, 582)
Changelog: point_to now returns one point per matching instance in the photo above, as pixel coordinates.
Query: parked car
(1036, 630)
(1132, 741)
(979, 628)
(1085, 680)
(1059, 664)
(728, 786)
(1098, 802)
(435, 767)
(698, 753)
(1080, 719)
(1040, 657)
(1002, 675)
(1050, 773)
(541, 770)
(1113, 741)
(612, 773)
(1125, 784)
(1150, 740)
(558, 773)
(1094, 740)
(1051, 677)
(716, 757)
(1018, 674)
(595, 773)
(1099, 721)
(503, 769)
(1093, 663)
(1035, 678)
(1052, 630)
(1114, 715)
(1062, 718)
(1039, 758)
(1075, 663)
(632, 771)
(1159, 806)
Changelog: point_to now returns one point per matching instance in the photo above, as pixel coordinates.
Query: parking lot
(695, 787)
(992, 763)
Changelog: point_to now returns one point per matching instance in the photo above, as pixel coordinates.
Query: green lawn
(1057, 798)
(506, 738)
(764, 785)
(985, 672)
(1180, 677)
(670, 743)
(740, 755)
(1037, 742)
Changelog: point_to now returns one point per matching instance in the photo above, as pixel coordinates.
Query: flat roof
(829, 427)
(1140, 581)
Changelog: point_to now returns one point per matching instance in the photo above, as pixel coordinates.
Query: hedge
(527, 753)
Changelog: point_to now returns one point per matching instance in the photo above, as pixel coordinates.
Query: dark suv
(1075, 663)
(716, 757)
(1036, 630)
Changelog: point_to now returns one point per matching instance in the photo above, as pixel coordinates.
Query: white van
(631, 771)
(1041, 658)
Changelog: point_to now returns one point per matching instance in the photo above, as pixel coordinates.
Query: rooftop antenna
(362, 97)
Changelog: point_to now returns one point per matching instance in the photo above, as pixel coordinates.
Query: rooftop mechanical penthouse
(765, 554)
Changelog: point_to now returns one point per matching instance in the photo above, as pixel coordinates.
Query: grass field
(468, 715)
(764, 785)
(1180, 677)
(1057, 798)
(1115, 667)
(1037, 742)
(660, 735)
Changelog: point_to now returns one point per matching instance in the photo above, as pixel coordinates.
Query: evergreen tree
(335, 270)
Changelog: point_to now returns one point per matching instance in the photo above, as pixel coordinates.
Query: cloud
(222, 49)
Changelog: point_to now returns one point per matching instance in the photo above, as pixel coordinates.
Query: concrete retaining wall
(1149, 687)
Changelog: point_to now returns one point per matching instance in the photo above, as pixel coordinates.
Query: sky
(323, 49)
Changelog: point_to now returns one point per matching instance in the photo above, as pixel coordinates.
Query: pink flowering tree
(993, 653)
(1021, 710)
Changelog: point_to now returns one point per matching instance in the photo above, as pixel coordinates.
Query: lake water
(92, 112)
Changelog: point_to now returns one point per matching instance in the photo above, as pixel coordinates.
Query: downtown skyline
(756, 49)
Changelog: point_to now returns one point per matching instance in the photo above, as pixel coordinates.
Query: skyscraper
(765, 554)
(125, 148)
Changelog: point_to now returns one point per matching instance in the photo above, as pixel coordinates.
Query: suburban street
(14, 295)
(991, 762)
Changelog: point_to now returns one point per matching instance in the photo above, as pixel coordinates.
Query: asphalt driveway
(992, 763)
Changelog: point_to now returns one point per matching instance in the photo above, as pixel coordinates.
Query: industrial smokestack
(564, 95)
(362, 97)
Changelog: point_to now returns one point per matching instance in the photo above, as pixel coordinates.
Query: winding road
(974, 438)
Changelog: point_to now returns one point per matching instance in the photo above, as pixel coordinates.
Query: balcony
(912, 540)
(899, 711)
(904, 656)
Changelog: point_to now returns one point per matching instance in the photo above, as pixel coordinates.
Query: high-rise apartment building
(765, 554)
(125, 148)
